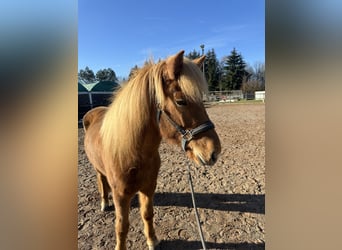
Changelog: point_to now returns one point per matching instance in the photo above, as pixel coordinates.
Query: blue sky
(123, 33)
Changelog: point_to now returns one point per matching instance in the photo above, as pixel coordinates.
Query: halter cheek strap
(187, 134)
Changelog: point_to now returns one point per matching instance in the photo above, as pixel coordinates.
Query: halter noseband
(187, 134)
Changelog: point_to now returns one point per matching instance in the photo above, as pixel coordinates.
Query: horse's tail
(92, 116)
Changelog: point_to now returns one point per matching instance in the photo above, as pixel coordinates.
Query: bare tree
(256, 78)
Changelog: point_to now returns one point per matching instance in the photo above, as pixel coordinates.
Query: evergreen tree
(133, 71)
(212, 70)
(234, 71)
(106, 75)
(221, 83)
(193, 55)
(87, 75)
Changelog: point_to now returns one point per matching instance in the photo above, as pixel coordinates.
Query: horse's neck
(151, 137)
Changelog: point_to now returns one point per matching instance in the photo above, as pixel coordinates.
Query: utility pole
(202, 47)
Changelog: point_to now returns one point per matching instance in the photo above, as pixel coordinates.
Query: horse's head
(181, 113)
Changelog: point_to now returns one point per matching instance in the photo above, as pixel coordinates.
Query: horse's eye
(180, 102)
(179, 98)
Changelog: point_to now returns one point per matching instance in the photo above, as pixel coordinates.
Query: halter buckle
(187, 135)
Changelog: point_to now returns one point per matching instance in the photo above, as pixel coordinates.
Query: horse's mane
(131, 109)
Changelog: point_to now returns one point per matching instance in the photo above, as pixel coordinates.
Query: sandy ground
(230, 195)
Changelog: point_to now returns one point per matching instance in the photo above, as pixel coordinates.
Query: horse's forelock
(192, 81)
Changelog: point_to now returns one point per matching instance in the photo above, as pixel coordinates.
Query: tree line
(230, 73)
(88, 76)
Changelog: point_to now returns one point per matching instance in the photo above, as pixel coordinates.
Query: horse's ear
(199, 61)
(174, 65)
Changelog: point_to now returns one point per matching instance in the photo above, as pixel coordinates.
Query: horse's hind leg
(104, 189)
(146, 210)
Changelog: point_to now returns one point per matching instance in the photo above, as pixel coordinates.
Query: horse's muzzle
(204, 157)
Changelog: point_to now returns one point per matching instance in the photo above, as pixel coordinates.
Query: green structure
(91, 95)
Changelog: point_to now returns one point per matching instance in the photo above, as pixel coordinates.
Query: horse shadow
(184, 244)
(251, 203)
(244, 203)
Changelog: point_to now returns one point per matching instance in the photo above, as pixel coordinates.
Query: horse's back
(93, 116)
(92, 122)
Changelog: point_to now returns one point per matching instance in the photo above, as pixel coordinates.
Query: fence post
(90, 99)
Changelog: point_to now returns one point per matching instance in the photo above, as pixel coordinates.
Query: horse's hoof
(152, 245)
(105, 207)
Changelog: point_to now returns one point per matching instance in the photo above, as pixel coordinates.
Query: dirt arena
(230, 195)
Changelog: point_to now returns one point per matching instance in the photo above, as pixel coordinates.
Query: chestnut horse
(161, 100)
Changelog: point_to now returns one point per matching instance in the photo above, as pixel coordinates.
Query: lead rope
(187, 135)
(195, 208)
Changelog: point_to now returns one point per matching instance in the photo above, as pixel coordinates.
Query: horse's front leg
(122, 204)
(146, 210)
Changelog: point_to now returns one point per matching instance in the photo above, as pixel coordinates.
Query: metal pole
(202, 47)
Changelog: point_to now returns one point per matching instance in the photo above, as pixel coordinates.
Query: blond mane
(127, 116)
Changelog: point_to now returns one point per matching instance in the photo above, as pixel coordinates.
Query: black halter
(187, 135)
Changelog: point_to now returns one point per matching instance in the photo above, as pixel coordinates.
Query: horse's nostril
(213, 157)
